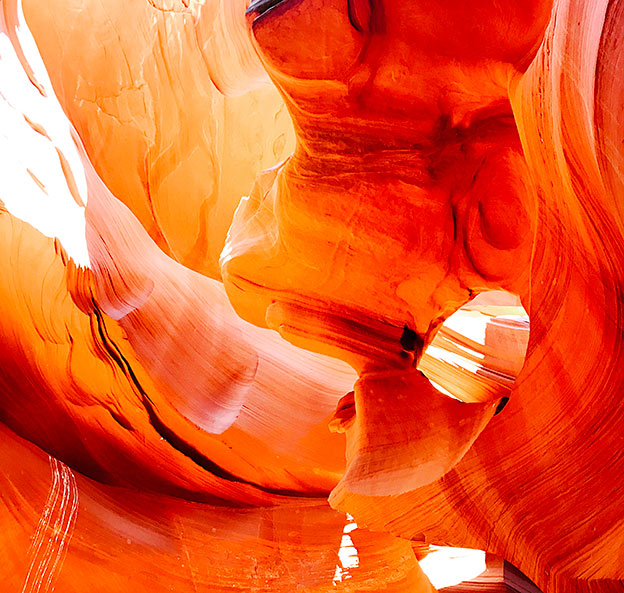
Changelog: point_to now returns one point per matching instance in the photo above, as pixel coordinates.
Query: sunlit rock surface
(145, 95)
(394, 160)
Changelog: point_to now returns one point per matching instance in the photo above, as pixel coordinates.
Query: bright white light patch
(33, 186)
(446, 567)
(347, 554)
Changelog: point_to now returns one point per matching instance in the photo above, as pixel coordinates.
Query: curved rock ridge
(147, 102)
(185, 403)
(117, 408)
(437, 158)
(409, 179)
(110, 539)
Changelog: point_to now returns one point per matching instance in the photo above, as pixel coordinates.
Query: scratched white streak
(54, 530)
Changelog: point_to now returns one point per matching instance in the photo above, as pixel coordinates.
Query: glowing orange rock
(83, 534)
(101, 382)
(443, 150)
(146, 101)
(415, 193)
(411, 182)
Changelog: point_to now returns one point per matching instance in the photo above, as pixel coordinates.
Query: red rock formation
(442, 150)
(86, 535)
(410, 177)
(457, 210)
(146, 101)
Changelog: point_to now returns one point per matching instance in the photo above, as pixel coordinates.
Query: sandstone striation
(246, 342)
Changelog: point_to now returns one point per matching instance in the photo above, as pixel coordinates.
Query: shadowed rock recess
(311, 296)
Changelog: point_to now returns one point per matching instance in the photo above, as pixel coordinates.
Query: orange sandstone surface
(240, 348)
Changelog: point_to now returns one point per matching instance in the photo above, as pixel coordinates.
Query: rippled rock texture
(240, 345)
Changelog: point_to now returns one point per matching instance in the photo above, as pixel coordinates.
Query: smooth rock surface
(394, 161)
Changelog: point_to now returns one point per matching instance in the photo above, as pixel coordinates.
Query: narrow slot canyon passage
(479, 350)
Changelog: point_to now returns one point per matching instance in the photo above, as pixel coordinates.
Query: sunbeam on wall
(42, 178)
